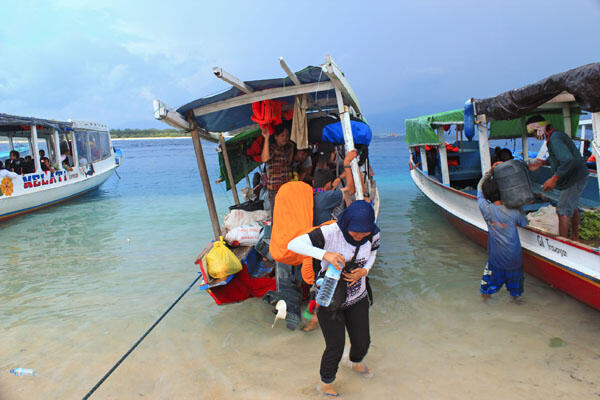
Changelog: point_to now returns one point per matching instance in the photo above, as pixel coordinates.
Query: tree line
(140, 133)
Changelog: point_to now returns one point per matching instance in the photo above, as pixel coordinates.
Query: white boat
(86, 147)
(448, 178)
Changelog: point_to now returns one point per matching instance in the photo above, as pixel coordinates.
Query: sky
(105, 61)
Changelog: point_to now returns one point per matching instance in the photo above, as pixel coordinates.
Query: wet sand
(72, 314)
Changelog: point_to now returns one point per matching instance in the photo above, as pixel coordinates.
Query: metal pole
(210, 201)
(228, 168)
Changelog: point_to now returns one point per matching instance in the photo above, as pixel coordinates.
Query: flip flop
(325, 393)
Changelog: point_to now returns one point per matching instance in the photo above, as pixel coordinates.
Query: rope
(110, 371)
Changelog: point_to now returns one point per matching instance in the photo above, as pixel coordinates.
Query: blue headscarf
(358, 217)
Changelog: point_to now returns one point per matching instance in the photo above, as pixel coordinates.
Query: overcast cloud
(106, 61)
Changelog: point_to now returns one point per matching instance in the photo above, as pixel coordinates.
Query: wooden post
(484, 146)
(349, 140)
(443, 157)
(228, 168)
(566, 111)
(524, 141)
(595, 143)
(210, 201)
(11, 142)
(423, 153)
(582, 144)
(34, 149)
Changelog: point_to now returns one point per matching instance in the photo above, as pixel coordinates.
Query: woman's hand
(335, 259)
(354, 277)
(264, 132)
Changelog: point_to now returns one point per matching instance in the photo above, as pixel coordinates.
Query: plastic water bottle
(332, 276)
(23, 372)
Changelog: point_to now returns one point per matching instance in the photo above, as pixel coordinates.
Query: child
(504, 266)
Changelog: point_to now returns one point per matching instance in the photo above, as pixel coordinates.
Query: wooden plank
(337, 77)
(288, 71)
(582, 144)
(595, 143)
(524, 140)
(424, 165)
(232, 80)
(564, 97)
(566, 112)
(210, 201)
(228, 169)
(443, 158)
(484, 146)
(349, 141)
(263, 95)
(164, 113)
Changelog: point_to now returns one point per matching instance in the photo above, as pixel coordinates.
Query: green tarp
(420, 132)
(236, 150)
(512, 128)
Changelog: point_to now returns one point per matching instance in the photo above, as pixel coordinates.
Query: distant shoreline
(151, 138)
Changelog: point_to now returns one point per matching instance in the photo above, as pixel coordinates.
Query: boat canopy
(583, 83)
(14, 124)
(238, 117)
(421, 130)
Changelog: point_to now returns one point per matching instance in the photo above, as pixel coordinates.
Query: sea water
(82, 281)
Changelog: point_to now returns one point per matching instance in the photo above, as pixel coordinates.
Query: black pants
(333, 325)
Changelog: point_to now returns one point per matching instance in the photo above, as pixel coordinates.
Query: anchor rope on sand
(114, 367)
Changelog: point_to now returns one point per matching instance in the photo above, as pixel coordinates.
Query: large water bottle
(332, 276)
(23, 372)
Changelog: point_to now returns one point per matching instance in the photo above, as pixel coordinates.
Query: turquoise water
(80, 282)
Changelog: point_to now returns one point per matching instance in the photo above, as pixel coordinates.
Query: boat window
(92, 146)
(103, 145)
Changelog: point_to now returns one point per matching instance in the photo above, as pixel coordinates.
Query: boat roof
(421, 130)
(236, 117)
(12, 123)
(230, 111)
(580, 85)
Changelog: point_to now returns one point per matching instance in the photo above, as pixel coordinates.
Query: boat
(86, 147)
(225, 119)
(448, 172)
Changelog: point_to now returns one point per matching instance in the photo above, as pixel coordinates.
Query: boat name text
(551, 247)
(48, 178)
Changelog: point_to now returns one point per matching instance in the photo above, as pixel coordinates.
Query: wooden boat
(228, 114)
(570, 266)
(86, 144)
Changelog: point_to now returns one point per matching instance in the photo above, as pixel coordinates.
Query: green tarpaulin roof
(236, 150)
(420, 132)
(512, 128)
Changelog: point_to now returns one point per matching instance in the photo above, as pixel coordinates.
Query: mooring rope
(110, 371)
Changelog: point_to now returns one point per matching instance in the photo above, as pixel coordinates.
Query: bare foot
(328, 390)
(311, 325)
(362, 369)
(485, 296)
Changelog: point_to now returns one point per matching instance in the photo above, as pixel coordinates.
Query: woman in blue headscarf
(351, 244)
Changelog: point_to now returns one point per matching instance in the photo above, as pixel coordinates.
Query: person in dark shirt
(570, 173)
(28, 165)
(327, 194)
(1, 165)
(16, 164)
(505, 264)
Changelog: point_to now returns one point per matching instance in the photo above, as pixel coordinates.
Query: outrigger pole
(336, 76)
(210, 201)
